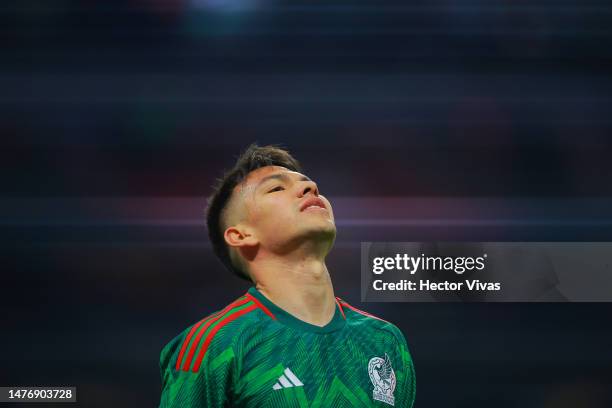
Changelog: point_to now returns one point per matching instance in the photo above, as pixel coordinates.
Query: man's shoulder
(215, 334)
(367, 321)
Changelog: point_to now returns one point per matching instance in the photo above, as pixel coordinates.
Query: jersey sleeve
(406, 380)
(209, 385)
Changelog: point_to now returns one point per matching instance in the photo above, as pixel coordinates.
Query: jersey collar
(283, 317)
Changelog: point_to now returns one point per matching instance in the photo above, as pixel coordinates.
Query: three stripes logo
(287, 380)
(201, 335)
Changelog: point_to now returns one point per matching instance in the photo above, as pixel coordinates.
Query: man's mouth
(313, 203)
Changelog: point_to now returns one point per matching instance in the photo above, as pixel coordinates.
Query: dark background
(428, 120)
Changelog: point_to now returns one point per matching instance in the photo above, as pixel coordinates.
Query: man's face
(284, 207)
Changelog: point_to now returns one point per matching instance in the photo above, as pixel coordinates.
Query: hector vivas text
(413, 264)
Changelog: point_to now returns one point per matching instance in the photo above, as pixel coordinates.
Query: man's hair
(253, 158)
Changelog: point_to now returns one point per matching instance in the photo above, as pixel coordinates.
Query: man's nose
(309, 187)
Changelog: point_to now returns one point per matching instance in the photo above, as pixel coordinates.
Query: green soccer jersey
(254, 354)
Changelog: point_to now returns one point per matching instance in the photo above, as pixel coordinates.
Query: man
(288, 342)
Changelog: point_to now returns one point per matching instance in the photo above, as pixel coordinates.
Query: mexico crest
(383, 378)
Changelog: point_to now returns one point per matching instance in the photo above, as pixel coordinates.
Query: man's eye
(277, 188)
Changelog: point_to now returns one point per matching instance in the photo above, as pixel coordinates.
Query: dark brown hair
(253, 158)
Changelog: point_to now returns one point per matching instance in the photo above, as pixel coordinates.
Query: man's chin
(317, 239)
(323, 234)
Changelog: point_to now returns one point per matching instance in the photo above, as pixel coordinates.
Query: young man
(287, 342)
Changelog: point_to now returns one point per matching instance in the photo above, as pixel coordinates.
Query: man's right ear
(238, 236)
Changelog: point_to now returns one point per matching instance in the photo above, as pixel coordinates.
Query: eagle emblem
(383, 378)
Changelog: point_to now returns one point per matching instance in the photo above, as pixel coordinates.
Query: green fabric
(248, 356)
(285, 318)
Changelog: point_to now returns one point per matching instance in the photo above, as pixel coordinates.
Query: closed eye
(277, 188)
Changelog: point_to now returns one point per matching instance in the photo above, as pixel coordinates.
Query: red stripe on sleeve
(261, 306)
(189, 336)
(340, 307)
(195, 343)
(214, 331)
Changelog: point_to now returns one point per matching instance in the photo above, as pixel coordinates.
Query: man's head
(265, 203)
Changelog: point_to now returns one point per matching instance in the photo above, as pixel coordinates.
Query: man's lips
(313, 202)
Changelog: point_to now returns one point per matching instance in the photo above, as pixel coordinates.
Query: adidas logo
(287, 380)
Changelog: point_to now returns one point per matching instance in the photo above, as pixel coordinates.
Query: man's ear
(238, 236)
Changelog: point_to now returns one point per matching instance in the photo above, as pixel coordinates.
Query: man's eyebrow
(282, 177)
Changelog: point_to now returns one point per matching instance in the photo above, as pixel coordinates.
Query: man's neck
(302, 287)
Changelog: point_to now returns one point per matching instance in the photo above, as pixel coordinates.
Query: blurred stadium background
(427, 120)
